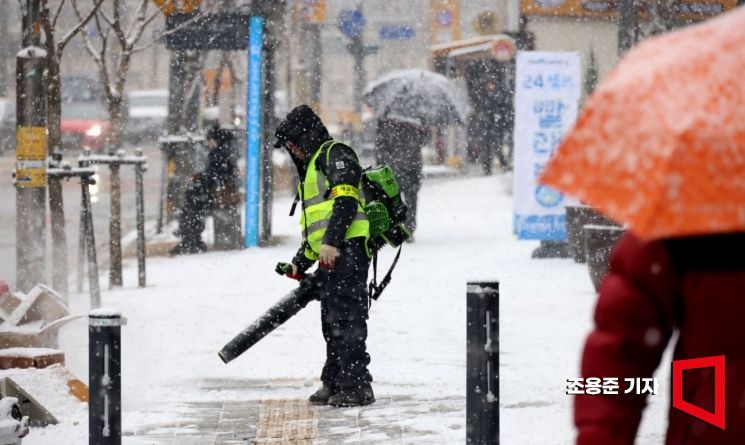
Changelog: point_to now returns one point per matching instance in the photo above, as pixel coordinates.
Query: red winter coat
(693, 285)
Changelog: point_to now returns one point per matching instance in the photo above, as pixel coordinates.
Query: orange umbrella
(660, 145)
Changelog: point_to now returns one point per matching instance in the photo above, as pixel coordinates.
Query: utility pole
(357, 48)
(352, 24)
(31, 153)
(513, 16)
(626, 25)
(4, 41)
(313, 17)
(184, 81)
(313, 35)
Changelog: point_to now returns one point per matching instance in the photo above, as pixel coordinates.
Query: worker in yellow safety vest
(335, 232)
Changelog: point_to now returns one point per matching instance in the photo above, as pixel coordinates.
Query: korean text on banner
(546, 102)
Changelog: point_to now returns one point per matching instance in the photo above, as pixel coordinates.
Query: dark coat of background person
(398, 144)
(220, 178)
(213, 190)
(694, 285)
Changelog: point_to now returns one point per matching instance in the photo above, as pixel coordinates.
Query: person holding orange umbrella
(660, 147)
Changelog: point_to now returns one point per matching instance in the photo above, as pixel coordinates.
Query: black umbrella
(431, 98)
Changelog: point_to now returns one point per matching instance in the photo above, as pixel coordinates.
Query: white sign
(548, 88)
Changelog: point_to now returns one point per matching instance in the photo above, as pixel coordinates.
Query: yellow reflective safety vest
(318, 203)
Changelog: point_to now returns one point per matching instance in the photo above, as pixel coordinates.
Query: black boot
(188, 246)
(321, 397)
(355, 396)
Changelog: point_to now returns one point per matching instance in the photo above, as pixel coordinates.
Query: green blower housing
(385, 209)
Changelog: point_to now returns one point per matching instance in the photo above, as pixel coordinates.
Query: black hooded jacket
(342, 168)
(222, 169)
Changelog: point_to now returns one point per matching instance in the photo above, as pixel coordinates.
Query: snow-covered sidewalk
(194, 304)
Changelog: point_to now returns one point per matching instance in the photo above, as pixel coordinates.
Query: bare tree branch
(46, 26)
(147, 22)
(150, 44)
(109, 21)
(57, 13)
(83, 22)
(115, 23)
(113, 57)
(139, 17)
(96, 54)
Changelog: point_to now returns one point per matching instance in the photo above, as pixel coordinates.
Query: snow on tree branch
(83, 22)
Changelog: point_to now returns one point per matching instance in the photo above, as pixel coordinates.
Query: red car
(84, 124)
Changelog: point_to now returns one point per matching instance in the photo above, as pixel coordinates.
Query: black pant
(410, 181)
(191, 219)
(344, 313)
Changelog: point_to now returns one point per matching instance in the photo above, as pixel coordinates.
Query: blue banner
(253, 129)
(541, 227)
(547, 92)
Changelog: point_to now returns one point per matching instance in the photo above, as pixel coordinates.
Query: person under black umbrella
(398, 144)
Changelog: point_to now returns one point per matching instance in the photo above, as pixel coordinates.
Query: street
(552, 189)
(176, 390)
(100, 204)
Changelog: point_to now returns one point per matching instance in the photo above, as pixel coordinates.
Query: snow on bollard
(104, 365)
(482, 363)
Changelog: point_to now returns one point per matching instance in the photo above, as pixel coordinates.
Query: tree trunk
(4, 44)
(115, 123)
(54, 144)
(115, 102)
(54, 104)
(53, 84)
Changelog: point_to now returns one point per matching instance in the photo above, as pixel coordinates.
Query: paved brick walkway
(276, 421)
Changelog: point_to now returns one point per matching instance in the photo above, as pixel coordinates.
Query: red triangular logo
(717, 362)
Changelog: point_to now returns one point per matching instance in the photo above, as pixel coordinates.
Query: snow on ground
(195, 304)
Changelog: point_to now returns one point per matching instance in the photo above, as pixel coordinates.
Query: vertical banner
(253, 129)
(548, 88)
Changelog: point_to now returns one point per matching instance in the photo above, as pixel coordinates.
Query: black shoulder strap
(376, 289)
(294, 203)
(325, 153)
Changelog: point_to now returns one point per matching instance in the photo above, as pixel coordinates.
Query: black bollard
(104, 366)
(482, 363)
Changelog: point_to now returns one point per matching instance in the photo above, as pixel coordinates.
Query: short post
(81, 253)
(59, 237)
(115, 227)
(115, 162)
(140, 169)
(482, 363)
(104, 367)
(165, 159)
(86, 214)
